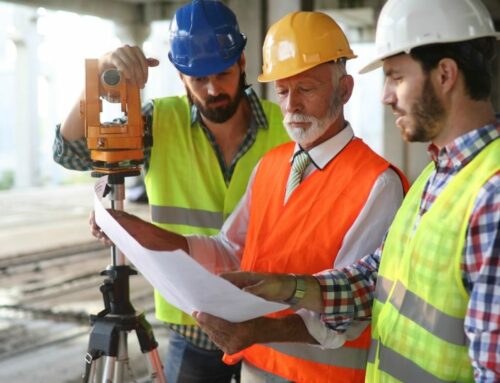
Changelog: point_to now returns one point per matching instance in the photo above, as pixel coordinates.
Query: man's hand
(230, 337)
(277, 287)
(272, 287)
(96, 231)
(131, 62)
(234, 337)
(148, 235)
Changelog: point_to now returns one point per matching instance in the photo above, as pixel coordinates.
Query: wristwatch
(300, 290)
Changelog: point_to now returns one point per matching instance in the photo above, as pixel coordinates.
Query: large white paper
(181, 280)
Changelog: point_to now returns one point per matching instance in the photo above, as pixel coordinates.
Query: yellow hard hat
(301, 41)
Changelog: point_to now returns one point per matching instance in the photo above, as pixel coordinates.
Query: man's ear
(446, 74)
(346, 85)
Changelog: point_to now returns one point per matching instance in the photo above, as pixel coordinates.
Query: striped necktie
(300, 162)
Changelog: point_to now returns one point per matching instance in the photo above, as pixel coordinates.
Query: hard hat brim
(263, 77)
(378, 61)
(205, 70)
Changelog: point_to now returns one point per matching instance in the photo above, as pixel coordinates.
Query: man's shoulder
(171, 108)
(170, 101)
(284, 149)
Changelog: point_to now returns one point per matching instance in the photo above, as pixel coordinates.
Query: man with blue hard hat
(205, 145)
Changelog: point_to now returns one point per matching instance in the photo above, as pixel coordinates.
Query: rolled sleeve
(348, 293)
(72, 155)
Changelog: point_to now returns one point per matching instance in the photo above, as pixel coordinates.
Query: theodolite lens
(111, 77)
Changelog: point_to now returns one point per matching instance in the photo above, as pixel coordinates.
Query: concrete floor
(34, 223)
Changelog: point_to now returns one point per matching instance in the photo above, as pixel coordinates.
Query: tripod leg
(155, 367)
(109, 369)
(122, 359)
(149, 346)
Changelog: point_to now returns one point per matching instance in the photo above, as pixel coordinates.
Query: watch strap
(300, 290)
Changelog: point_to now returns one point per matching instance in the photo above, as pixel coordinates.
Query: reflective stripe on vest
(400, 367)
(347, 357)
(442, 325)
(171, 215)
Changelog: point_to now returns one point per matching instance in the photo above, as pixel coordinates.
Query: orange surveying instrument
(116, 151)
(115, 147)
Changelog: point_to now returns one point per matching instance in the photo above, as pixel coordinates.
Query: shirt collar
(258, 114)
(322, 154)
(464, 148)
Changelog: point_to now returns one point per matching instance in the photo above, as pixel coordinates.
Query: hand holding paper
(179, 279)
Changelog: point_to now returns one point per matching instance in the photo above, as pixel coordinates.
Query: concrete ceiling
(121, 11)
(143, 12)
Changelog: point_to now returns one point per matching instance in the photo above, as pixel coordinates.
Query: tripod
(110, 327)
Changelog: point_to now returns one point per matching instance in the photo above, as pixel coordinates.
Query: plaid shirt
(75, 155)
(348, 293)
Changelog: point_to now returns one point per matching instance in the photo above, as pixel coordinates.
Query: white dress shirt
(223, 252)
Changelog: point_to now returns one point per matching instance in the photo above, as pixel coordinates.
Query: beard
(427, 113)
(219, 114)
(317, 127)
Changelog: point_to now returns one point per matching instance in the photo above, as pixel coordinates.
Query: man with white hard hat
(433, 286)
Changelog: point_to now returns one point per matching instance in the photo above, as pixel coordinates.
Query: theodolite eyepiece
(110, 85)
(111, 77)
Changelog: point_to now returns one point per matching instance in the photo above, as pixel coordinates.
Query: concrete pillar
(132, 33)
(27, 172)
(275, 11)
(250, 19)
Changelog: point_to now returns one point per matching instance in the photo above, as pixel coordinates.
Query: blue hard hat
(205, 38)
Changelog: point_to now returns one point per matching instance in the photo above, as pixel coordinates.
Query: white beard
(306, 136)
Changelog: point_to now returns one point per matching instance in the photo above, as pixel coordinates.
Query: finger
(240, 278)
(121, 62)
(124, 59)
(141, 64)
(152, 62)
(258, 289)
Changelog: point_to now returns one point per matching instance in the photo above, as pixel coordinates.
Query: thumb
(257, 289)
(152, 62)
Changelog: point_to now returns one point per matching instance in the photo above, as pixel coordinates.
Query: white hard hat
(406, 24)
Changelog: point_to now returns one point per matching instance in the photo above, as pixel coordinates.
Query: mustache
(297, 117)
(397, 110)
(214, 99)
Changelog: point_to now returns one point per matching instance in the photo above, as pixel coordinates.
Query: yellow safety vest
(420, 301)
(185, 185)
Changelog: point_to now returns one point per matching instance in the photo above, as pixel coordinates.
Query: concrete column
(250, 20)
(27, 139)
(132, 33)
(275, 11)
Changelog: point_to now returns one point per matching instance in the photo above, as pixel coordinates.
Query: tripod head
(115, 147)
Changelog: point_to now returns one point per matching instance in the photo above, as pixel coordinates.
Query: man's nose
(212, 88)
(293, 103)
(388, 95)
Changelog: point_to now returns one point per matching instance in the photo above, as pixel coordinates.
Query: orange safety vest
(304, 237)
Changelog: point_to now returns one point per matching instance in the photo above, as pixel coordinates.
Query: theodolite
(116, 150)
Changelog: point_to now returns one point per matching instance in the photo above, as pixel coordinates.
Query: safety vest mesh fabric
(420, 301)
(185, 185)
(304, 237)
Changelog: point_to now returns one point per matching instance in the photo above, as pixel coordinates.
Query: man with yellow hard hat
(307, 205)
